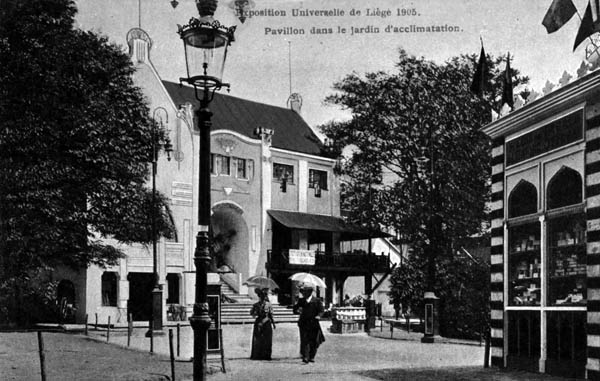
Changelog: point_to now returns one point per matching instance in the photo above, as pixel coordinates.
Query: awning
(307, 221)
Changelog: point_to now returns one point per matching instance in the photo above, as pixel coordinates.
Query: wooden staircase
(238, 312)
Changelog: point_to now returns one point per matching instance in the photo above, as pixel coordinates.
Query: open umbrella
(308, 278)
(261, 281)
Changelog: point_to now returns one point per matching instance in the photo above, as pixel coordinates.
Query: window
(220, 165)
(524, 265)
(317, 179)
(522, 200)
(567, 260)
(109, 289)
(213, 164)
(564, 189)
(281, 171)
(241, 168)
(173, 288)
(553, 135)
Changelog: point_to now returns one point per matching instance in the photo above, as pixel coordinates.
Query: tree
(75, 144)
(417, 153)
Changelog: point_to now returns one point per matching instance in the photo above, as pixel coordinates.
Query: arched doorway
(230, 238)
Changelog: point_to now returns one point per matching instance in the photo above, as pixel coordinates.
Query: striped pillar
(592, 194)
(497, 254)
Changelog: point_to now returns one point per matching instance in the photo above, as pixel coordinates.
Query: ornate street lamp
(157, 144)
(431, 301)
(205, 42)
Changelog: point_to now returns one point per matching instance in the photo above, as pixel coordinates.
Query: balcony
(353, 263)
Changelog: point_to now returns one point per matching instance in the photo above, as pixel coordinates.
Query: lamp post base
(431, 327)
(157, 322)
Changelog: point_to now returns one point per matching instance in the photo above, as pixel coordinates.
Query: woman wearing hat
(310, 309)
(262, 335)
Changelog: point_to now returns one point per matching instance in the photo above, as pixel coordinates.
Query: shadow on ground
(455, 374)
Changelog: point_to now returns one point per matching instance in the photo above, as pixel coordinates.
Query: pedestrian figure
(346, 302)
(310, 309)
(262, 334)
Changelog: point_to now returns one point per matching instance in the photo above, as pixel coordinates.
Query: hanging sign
(302, 257)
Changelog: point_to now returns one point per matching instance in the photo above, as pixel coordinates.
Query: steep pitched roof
(242, 116)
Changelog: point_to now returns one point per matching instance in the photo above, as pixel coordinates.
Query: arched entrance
(230, 238)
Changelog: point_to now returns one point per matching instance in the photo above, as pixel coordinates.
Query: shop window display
(524, 265)
(567, 261)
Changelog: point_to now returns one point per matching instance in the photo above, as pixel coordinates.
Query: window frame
(216, 164)
(244, 168)
(322, 184)
(290, 179)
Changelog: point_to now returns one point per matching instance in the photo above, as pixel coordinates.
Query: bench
(406, 323)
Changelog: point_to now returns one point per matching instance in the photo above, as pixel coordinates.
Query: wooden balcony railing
(358, 260)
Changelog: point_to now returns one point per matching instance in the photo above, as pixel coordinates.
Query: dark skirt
(262, 341)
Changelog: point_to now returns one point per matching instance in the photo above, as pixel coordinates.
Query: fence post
(42, 356)
(151, 331)
(486, 358)
(96, 325)
(171, 354)
(178, 336)
(86, 324)
(108, 330)
(129, 331)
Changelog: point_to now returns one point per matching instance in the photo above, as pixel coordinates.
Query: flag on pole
(589, 24)
(559, 13)
(481, 75)
(507, 91)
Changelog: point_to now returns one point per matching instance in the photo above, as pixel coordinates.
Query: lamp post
(205, 42)
(431, 301)
(157, 323)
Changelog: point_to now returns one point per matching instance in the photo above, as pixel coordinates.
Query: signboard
(302, 257)
(429, 319)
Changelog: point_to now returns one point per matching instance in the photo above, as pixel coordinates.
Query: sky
(270, 56)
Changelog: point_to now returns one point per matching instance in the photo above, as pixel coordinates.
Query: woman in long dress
(262, 335)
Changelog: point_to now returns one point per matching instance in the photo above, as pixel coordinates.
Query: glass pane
(524, 265)
(223, 165)
(283, 170)
(241, 169)
(567, 261)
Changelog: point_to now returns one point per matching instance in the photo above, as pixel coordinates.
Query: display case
(524, 263)
(348, 319)
(567, 261)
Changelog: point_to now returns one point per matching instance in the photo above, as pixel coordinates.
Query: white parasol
(308, 278)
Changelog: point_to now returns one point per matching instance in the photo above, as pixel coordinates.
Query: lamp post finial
(206, 7)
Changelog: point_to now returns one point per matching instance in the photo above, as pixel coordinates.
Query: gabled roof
(242, 116)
